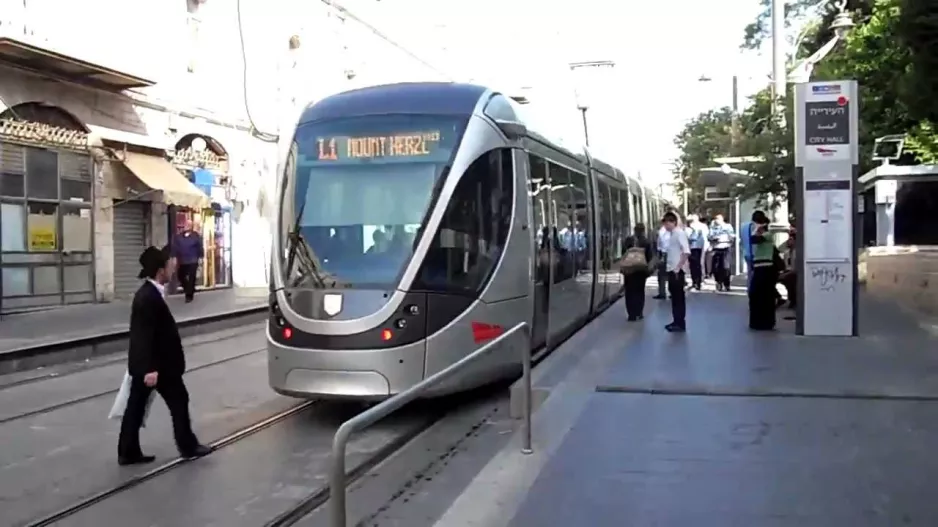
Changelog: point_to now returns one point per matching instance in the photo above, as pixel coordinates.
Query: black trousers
(721, 270)
(762, 297)
(635, 293)
(186, 274)
(676, 283)
(696, 267)
(173, 391)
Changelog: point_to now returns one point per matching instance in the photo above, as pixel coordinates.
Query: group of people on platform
(706, 250)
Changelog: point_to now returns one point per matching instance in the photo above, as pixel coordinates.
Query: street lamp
(842, 25)
(582, 102)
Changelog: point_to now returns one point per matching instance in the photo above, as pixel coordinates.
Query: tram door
(540, 213)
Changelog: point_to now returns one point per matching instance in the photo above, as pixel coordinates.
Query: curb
(82, 348)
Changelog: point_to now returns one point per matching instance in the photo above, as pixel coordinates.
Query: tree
(759, 30)
(713, 134)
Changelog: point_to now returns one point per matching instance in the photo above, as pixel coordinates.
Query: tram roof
(441, 98)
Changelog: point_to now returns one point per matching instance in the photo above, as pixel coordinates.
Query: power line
(263, 136)
(338, 7)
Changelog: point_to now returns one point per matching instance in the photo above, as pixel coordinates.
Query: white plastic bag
(120, 402)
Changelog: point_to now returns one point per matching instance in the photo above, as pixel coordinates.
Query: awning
(158, 174)
(26, 55)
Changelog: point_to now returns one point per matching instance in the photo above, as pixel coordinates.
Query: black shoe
(197, 452)
(135, 460)
(632, 319)
(640, 317)
(660, 297)
(675, 328)
(188, 300)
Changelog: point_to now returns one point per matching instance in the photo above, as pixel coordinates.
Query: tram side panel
(489, 202)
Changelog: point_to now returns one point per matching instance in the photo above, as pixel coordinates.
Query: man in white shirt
(664, 237)
(678, 252)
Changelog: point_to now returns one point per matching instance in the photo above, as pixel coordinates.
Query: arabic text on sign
(416, 144)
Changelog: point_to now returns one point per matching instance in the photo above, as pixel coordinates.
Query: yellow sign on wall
(41, 240)
(42, 232)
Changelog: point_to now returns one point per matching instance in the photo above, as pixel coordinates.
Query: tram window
(539, 211)
(471, 237)
(617, 222)
(606, 228)
(626, 214)
(564, 226)
(582, 214)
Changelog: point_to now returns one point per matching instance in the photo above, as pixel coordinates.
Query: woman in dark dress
(762, 293)
(635, 279)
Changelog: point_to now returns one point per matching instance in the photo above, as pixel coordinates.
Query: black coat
(155, 344)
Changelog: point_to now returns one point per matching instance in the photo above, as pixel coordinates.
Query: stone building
(114, 130)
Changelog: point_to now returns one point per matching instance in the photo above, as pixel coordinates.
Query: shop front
(46, 219)
(213, 224)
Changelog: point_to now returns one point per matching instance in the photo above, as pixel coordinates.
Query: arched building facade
(46, 214)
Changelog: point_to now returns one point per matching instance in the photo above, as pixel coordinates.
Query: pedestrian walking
(678, 253)
(155, 361)
(698, 238)
(636, 268)
(188, 252)
(722, 237)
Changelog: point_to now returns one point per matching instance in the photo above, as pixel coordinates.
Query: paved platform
(54, 326)
(723, 427)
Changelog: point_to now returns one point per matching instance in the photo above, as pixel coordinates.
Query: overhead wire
(273, 138)
(255, 131)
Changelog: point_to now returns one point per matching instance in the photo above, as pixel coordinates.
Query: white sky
(660, 49)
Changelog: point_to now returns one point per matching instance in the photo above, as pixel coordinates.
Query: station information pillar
(826, 161)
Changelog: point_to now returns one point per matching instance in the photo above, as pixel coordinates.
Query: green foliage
(761, 29)
(892, 53)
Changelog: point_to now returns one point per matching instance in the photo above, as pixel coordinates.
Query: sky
(660, 49)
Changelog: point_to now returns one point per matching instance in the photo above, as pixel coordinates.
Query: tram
(419, 221)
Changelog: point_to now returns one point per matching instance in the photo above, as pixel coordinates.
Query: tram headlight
(281, 322)
(413, 310)
(401, 323)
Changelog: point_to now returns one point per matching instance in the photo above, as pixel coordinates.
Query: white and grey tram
(420, 220)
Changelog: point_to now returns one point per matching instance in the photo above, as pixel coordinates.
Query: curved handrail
(337, 483)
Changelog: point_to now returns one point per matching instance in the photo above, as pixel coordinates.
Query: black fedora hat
(151, 261)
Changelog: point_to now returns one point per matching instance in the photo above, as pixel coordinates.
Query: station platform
(28, 339)
(719, 426)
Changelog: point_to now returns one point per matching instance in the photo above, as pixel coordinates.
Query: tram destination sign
(405, 145)
(827, 123)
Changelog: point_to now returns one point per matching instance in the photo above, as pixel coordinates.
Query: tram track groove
(111, 391)
(320, 497)
(72, 369)
(134, 481)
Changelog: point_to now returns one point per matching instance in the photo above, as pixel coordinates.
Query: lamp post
(582, 102)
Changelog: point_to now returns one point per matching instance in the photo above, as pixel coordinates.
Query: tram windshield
(357, 192)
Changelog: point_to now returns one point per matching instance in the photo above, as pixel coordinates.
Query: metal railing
(337, 481)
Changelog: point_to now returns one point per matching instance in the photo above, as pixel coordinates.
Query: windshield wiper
(296, 240)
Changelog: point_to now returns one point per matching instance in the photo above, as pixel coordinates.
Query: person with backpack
(636, 267)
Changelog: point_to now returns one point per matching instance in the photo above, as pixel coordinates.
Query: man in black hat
(155, 362)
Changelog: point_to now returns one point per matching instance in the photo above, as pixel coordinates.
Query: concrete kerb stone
(110, 342)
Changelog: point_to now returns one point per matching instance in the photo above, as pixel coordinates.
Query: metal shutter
(130, 239)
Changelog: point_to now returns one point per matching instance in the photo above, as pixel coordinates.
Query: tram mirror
(512, 129)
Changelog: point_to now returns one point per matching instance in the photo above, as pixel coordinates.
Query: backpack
(634, 260)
